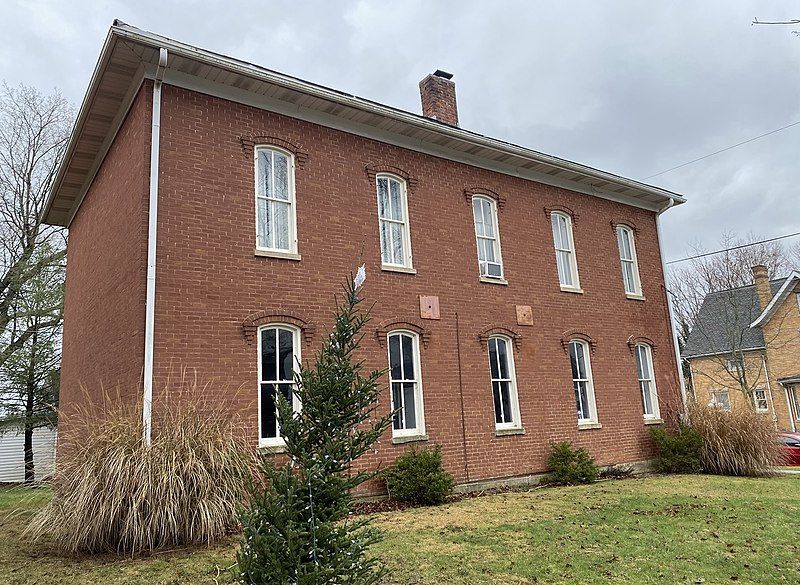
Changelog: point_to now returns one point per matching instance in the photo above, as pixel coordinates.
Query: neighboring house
(12, 455)
(519, 298)
(744, 348)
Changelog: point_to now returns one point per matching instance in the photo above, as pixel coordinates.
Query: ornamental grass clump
(736, 442)
(114, 493)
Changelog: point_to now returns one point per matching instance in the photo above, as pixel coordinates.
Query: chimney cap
(444, 74)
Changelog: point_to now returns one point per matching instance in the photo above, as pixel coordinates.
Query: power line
(733, 248)
(724, 149)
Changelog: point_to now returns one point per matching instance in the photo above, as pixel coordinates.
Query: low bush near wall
(570, 466)
(113, 493)
(737, 442)
(418, 476)
(678, 450)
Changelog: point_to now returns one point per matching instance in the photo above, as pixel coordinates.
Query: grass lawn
(675, 529)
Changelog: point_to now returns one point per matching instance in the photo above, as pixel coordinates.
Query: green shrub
(418, 476)
(678, 450)
(570, 466)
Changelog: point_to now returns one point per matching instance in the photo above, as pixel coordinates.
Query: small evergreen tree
(297, 527)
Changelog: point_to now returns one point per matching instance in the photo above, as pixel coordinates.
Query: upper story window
(278, 358)
(406, 384)
(627, 257)
(565, 250)
(276, 226)
(582, 381)
(487, 235)
(647, 382)
(760, 400)
(504, 383)
(393, 222)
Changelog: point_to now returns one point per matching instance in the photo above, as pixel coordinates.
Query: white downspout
(152, 219)
(669, 307)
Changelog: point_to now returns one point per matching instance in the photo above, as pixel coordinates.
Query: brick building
(744, 349)
(214, 208)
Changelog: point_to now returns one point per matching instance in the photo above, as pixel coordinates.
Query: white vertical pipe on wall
(669, 307)
(152, 225)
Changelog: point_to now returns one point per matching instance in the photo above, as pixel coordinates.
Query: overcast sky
(630, 87)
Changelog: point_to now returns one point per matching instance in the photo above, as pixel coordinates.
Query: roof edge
(777, 299)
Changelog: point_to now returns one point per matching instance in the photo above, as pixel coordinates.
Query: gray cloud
(631, 87)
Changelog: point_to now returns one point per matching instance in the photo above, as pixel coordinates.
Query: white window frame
(588, 380)
(639, 349)
(555, 218)
(513, 398)
(495, 240)
(634, 288)
(405, 223)
(757, 400)
(292, 201)
(278, 440)
(717, 403)
(419, 401)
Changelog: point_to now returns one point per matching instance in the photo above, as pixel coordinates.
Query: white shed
(12, 456)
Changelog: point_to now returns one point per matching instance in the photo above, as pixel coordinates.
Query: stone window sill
(635, 297)
(589, 425)
(276, 254)
(654, 421)
(272, 449)
(409, 439)
(509, 432)
(572, 289)
(402, 269)
(490, 280)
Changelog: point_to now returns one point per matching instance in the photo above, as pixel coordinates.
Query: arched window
(487, 236)
(393, 222)
(565, 251)
(627, 257)
(647, 381)
(278, 359)
(582, 381)
(276, 225)
(504, 383)
(405, 380)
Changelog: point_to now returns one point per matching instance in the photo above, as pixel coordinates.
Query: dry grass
(738, 442)
(113, 493)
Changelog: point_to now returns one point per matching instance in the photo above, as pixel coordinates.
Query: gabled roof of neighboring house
(777, 299)
(723, 322)
(131, 55)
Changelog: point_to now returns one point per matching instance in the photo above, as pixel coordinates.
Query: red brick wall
(106, 272)
(209, 281)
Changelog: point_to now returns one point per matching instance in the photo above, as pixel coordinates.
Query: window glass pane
(564, 268)
(281, 176)
(386, 243)
(285, 354)
(383, 197)
(286, 390)
(581, 400)
(628, 277)
(269, 369)
(409, 406)
(408, 357)
(566, 241)
(281, 225)
(647, 397)
(397, 403)
(396, 200)
(640, 370)
(498, 413)
(488, 222)
(263, 228)
(477, 214)
(493, 358)
(502, 357)
(489, 250)
(264, 186)
(268, 422)
(505, 396)
(578, 360)
(556, 231)
(394, 357)
(397, 244)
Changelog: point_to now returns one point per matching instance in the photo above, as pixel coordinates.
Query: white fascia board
(729, 352)
(777, 300)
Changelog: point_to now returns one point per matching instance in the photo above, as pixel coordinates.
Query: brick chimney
(438, 93)
(761, 279)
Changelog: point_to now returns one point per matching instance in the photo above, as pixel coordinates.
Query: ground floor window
(582, 381)
(647, 383)
(278, 357)
(793, 402)
(504, 384)
(406, 384)
(760, 400)
(720, 399)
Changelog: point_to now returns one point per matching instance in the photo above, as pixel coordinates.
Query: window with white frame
(647, 382)
(582, 381)
(278, 358)
(760, 400)
(720, 399)
(276, 228)
(487, 235)
(735, 367)
(794, 402)
(504, 383)
(405, 380)
(565, 250)
(627, 257)
(393, 222)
